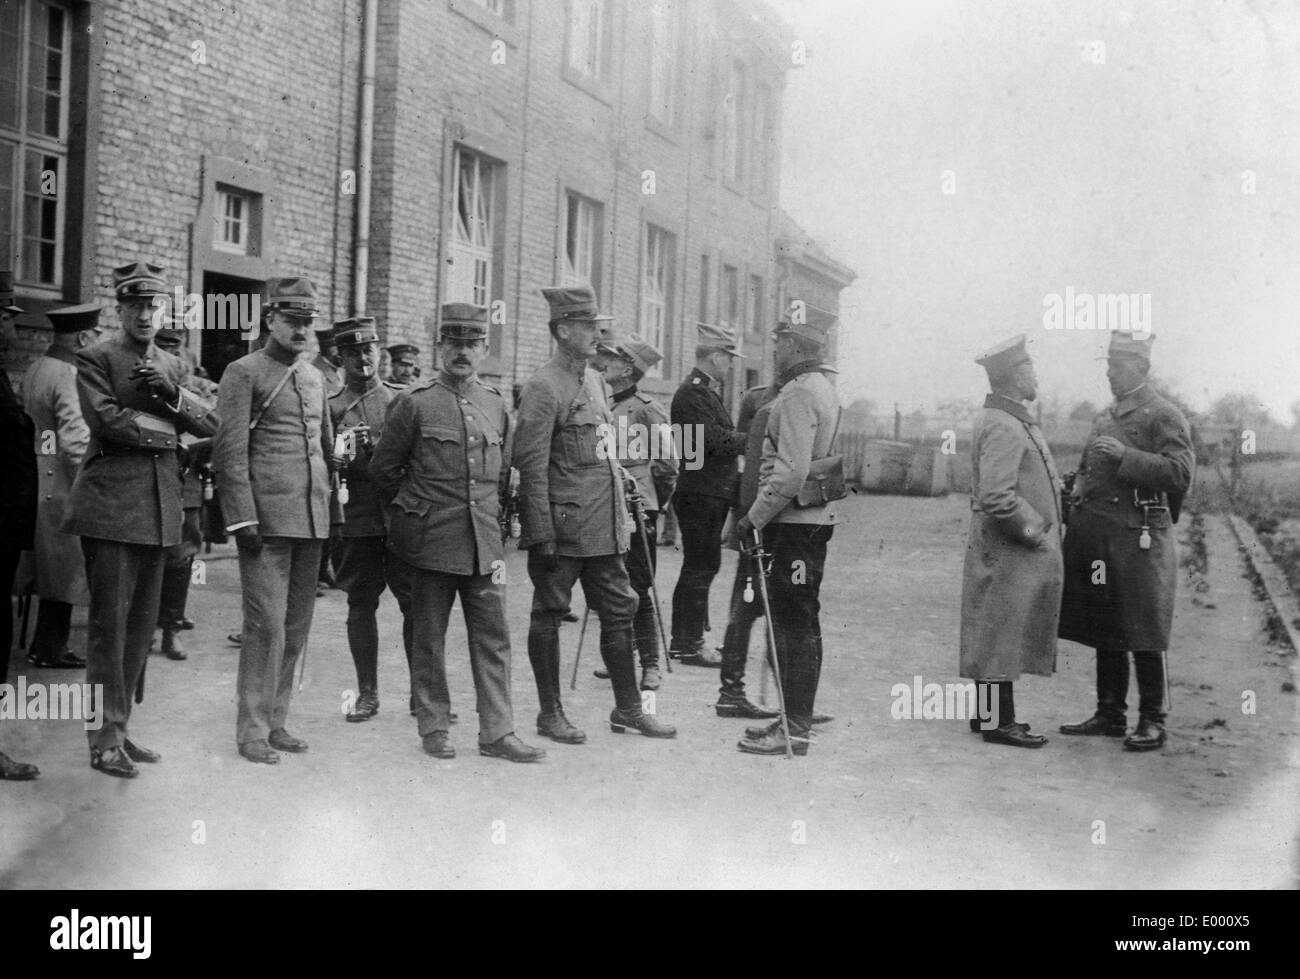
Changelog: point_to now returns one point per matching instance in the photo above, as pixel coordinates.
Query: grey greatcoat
(55, 569)
(1011, 583)
(1117, 595)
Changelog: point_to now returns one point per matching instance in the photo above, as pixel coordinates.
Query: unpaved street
(878, 802)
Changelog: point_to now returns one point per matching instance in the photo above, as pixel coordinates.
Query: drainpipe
(365, 155)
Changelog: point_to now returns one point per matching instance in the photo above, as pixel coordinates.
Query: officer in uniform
(272, 457)
(18, 482)
(126, 501)
(705, 494)
(1011, 581)
(405, 359)
(55, 570)
(327, 361)
(443, 463)
(1136, 468)
(755, 408)
(574, 517)
(652, 462)
(799, 432)
(357, 413)
(195, 454)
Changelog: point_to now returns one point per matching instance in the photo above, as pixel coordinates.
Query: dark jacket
(697, 403)
(17, 473)
(363, 514)
(129, 486)
(440, 464)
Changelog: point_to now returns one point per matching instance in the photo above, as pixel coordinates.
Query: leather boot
(1149, 736)
(366, 707)
(616, 648)
(1150, 733)
(772, 740)
(171, 643)
(544, 655)
(1112, 689)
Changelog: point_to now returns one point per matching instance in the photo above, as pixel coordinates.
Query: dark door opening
(219, 345)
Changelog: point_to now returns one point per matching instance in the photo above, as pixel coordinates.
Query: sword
(759, 556)
(632, 491)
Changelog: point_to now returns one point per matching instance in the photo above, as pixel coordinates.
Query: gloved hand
(249, 540)
(745, 534)
(543, 557)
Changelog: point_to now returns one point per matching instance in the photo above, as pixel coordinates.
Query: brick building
(511, 144)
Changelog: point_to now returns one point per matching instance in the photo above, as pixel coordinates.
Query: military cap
(293, 295)
(402, 349)
(1126, 343)
(139, 280)
(574, 303)
(719, 338)
(463, 321)
(355, 331)
(642, 355)
(807, 321)
(1005, 357)
(7, 293)
(74, 319)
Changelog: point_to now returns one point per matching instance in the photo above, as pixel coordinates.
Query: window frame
(668, 127)
(566, 271)
(657, 242)
(598, 83)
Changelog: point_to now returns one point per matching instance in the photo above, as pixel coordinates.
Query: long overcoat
(1011, 582)
(1119, 595)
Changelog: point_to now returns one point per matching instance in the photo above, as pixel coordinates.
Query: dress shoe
(140, 755)
(822, 719)
(114, 761)
(235, 639)
(366, 707)
(438, 744)
(16, 771)
(738, 705)
(557, 727)
(61, 659)
(282, 740)
(772, 741)
(1096, 725)
(259, 751)
(171, 645)
(1149, 736)
(685, 648)
(569, 617)
(651, 678)
(622, 721)
(187, 624)
(511, 749)
(758, 732)
(1015, 736)
(600, 673)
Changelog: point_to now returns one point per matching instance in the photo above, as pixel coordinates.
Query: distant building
(513, 144)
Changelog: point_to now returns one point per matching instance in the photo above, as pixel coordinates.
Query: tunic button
(473, 502)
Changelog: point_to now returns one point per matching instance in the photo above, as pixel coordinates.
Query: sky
(1166, 164)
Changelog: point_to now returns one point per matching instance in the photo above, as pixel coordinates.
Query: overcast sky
(1123, 176)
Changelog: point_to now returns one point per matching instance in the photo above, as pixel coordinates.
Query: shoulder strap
(271, 397)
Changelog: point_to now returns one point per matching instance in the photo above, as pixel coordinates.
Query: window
(657, 290)
(729, 299)
(705, 274)
(34, 95)
(665, 20)
(588, 56)
(234, 221)
(734, 105)
(582, 221)
(756, 311)
(472, 248)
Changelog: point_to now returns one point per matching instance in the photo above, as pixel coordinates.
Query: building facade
(403, 154)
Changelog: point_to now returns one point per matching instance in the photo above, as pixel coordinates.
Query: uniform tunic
(1133, 607)
(55, 570)
(1011, 580)
(363, 513)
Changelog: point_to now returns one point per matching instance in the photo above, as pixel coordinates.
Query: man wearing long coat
(1012, 579)
(1121, 565)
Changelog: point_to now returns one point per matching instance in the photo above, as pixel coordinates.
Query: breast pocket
(443, 449)
(580, 438)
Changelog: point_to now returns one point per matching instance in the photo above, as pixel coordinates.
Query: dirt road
(878, 802)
